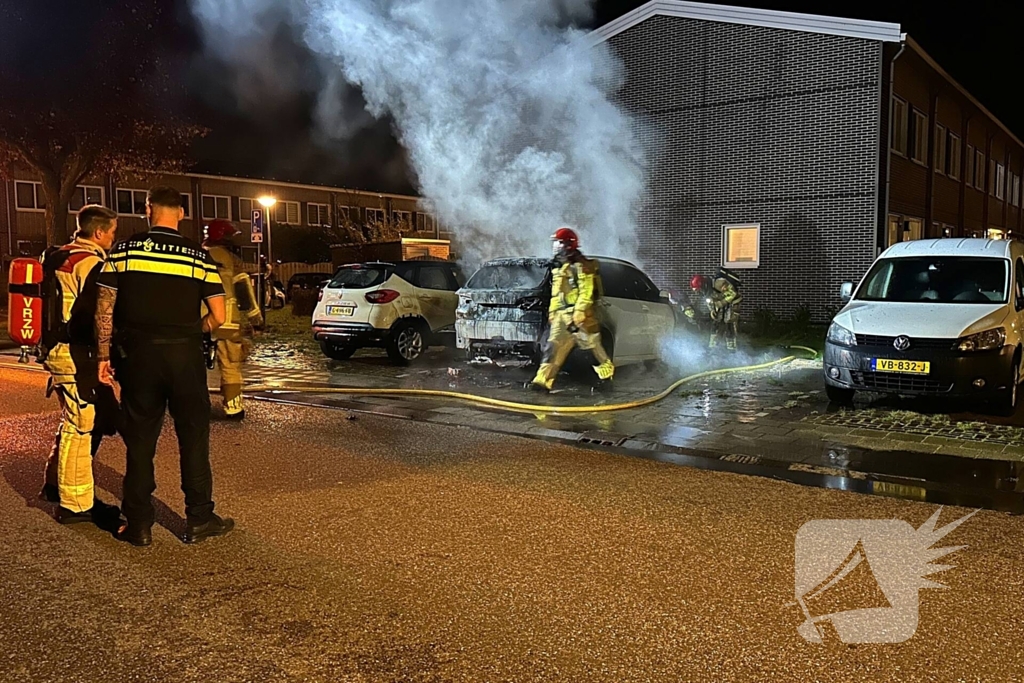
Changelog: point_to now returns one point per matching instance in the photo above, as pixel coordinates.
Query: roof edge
(728, 14)
(916, 47)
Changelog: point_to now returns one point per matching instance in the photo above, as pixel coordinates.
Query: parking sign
(257, 226)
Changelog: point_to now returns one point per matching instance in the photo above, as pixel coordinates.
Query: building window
(402, 219)
(970, 166)
(979, 170)
(131, 202)
(920, 138)
(904, 229)
(374, 216)
(186, 204)
(939, 159)
(1015, 192)
(215, 206)
(318, 214)
(953, 157)
(426, 222)
(288, 213)
(1000, 181)
(245, 205)
(899, 126)
(741, 245)
(84, 195)
(29, 196)
(344, 214)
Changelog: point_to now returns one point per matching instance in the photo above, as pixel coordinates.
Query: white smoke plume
(504, 107)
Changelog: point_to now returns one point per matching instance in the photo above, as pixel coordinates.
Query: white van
(932, 317)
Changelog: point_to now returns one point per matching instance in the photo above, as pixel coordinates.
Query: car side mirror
(846, 291)
(664, 294)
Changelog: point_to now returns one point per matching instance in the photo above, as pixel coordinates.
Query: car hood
(930, 321)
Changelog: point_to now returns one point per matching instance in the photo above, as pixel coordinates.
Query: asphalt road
(376, 549)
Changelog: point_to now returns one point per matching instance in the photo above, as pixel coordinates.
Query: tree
(90, 89)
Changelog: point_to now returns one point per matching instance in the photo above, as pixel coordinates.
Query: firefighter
(725, 301)
(698, 310)
(68, 351)
(233, 338)
(575, 287)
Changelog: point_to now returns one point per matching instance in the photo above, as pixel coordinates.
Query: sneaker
(215, 527)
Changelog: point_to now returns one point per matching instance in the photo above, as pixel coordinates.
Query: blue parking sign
(257, 226)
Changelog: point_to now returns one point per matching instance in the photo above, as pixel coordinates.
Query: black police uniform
(161, 278)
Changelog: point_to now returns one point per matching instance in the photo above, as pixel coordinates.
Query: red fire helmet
(568, 237)
(220, 230)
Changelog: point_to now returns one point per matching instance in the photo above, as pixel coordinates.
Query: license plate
(345, 309)
(909, 367)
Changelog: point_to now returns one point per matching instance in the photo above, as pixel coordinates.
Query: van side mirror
(846, 291)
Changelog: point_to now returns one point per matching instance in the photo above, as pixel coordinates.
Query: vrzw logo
(862, 576)
(27, 319)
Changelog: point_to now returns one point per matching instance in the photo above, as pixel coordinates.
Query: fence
(283, 271)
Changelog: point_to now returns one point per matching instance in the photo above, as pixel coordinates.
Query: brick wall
(751, 124)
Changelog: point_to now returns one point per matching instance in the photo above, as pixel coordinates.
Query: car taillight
(382, 296)
(530, 303)
(319, 295)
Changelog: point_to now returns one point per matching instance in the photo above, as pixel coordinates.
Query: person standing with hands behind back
(151, 289)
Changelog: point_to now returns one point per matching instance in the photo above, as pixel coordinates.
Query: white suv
(403, 307)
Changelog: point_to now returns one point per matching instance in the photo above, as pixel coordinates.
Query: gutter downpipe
(883, 229)
(10, 218)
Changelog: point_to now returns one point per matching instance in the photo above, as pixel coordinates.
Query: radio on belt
(25, 304)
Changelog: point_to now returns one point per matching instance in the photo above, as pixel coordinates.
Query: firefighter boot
(605, 372)
(713, 341)
(730, 343)
(233, 409)
(545, 380)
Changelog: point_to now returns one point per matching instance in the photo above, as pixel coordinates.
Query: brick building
(303, 214)
(771, 153)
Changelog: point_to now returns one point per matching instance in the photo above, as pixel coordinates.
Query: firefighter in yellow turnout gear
(576, 286)
(68, 351)
(725, 314)
(242, 311)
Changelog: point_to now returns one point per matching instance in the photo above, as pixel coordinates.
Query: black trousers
(156, 375)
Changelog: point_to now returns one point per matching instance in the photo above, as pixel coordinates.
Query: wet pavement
(373, 549)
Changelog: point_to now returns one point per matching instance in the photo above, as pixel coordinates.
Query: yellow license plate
(910, 367)
(341, 310)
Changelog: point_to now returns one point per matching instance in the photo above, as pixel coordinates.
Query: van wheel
(337, 351)
(407, 342)
(1007, 403)
(839, 396)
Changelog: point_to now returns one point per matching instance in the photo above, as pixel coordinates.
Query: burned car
(503, 310)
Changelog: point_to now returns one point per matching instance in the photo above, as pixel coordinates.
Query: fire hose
(293, 386)
(513, 406)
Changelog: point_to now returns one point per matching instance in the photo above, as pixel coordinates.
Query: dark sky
(977, 43)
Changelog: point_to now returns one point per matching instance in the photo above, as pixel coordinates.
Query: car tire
(337, 351)
(1006, 404)
(839, 395)
(406, 342)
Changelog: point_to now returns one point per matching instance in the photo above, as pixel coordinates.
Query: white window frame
(37, 190)
(319, 223)
(979, 165)
(403, 218)
(726, 229)
(284, 205)
(919, 153)
(214, 197)
(1000, 189)
(377, 214)
(940, 149)
(954, 149)
(426, 222)
(1016, 190)
(133, 191)
(344, 213)
(187, 207)
(900, 143)
(85, 196)
(246, 216)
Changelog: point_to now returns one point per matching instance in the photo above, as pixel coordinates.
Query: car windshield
(509, 276)
(358, 277)
(937, 279)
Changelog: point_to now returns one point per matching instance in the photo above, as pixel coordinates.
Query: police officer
(151, 289)
(68, 351)
(242, 314)
(575, 287)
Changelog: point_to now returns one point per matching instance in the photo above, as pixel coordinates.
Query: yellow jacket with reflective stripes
(241, 308)
(575, 286)
(71, 277)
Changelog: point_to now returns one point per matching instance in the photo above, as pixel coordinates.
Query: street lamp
(267, 202)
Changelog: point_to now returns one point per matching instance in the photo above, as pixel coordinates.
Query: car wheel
(336, 351)
(1007, 403)
(407, 342)
(839, 395)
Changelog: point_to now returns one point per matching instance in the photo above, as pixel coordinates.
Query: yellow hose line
(532, 407)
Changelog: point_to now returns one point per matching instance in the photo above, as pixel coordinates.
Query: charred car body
(503, 310)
